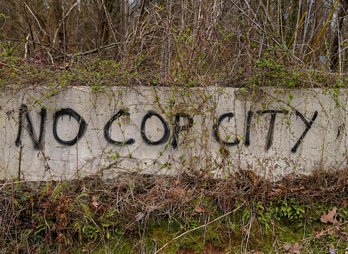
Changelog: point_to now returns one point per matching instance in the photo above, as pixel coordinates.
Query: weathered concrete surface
(244, 138)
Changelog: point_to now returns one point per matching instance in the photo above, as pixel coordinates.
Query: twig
(111, 45)
(61, 23)
(107, 15)
(37, 21)
(194, 229)
(324, 232)
(9, 66)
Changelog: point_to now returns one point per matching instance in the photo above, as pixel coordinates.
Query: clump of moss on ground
(183, 214)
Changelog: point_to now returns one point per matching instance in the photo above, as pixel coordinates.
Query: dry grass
(188, 42)
(77, 212)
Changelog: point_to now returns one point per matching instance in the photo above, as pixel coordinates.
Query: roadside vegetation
(246, 44)
(183, 214)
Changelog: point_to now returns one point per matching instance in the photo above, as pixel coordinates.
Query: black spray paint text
(170, 131)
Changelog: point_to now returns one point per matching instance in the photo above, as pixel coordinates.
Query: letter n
(24, 115)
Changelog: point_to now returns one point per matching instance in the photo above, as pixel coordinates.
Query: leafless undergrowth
(185, 41)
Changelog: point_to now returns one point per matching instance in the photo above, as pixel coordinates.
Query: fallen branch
(111, 45)
(201, 226)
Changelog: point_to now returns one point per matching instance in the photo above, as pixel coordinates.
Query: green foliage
(289, 210)
(8, 49)
(274, 73)
(271, 69)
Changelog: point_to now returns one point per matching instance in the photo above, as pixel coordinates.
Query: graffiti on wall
(171, 129)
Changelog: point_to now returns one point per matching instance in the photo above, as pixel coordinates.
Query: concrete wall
(74, 132)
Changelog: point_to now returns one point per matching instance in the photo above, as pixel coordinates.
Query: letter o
(166, 133)
(71, 113)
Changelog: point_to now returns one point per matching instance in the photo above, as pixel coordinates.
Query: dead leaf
(95, 203)
(177, 192)
(332, 250)
(199, 209)
(210, 249)
(292, 248)
(287, 247)
(330, 217)
(60, 238)
(296, 248)
(139, 216)
(177, 182)
(276, 190)
(318, 234)
(186, 251)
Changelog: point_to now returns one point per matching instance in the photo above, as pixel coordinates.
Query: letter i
(247, 131)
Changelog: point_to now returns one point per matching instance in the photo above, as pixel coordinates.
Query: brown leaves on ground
(95, 203)
(177, 192)
(139, 216)
(208, 249)
(199, 209)
(292, 248)
(329, 217)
